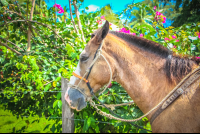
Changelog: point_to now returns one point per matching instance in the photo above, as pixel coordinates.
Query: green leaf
(55, 103)
(58, 79)
(85, 115)
(85, 126)
(143, 131)
(46, 127)
(46, 88)
(29, 87)
(53, 128)
(4, 2)
(59, 104)
(161, 28)
(89, 121)
(59, 96)
(97, 129)
(13, 129)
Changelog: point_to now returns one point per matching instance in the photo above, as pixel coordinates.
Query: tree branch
(3, 44)
(79, 23)
(12, 43)
(26, 21)
(29, 30)
(40, 24)
(55, 21)
(72, 17)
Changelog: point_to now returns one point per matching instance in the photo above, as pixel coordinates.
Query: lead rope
(133, 120)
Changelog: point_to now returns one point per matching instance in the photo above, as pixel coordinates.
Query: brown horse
(147, 71)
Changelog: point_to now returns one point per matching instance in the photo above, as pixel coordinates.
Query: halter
(88, 71)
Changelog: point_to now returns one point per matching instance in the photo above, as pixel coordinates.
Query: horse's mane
(175, 67)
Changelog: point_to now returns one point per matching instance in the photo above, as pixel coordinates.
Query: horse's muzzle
(75, 99)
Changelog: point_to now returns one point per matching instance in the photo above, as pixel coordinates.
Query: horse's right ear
(101, 34)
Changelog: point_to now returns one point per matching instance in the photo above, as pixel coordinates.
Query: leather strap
(175, 95)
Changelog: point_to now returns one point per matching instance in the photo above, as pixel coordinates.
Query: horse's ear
(101, 34)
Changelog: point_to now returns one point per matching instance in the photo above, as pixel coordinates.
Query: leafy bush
(55, 55)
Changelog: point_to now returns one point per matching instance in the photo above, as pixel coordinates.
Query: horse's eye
(83, 58)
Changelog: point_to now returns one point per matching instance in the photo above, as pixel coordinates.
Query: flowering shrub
(160, 16)
(198, 34)
(41, 70)
(61, 10)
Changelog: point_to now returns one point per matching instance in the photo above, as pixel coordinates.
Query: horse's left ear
(101, 34)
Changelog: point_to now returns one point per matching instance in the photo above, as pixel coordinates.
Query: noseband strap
(78, 76)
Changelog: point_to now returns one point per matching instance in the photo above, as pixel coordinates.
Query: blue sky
(93, 5)
(117, 5)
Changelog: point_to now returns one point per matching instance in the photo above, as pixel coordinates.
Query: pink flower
(154, 8)
(166, 39)
(164, 19)
(99, 22)
(110, 24)
(173, 36)
(158, 13)
(174, 46)
(102, 17)
(123, 30)
(61, 10)
(198, 35)
(59, 7)
(177, 40)
(197, 57)
(9, 18)
(141, 35)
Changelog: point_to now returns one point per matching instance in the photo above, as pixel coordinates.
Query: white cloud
(92, 8)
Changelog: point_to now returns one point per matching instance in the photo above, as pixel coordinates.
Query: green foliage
(10, 123)
(189, 13)
(26, 78)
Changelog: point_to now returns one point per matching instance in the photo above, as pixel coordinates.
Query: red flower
(110, 85)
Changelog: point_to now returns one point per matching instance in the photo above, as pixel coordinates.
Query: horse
(147, 71)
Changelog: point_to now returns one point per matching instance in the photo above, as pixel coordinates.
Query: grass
(10, 123)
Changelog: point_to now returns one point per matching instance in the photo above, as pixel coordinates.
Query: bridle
(97, 55)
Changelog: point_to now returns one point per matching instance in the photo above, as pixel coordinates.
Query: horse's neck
(141, 74)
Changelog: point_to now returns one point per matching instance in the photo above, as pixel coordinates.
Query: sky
(93, 5)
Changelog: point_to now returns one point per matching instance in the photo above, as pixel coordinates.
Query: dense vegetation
(38, 46)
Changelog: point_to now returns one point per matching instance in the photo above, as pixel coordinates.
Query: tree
(142, 16)
(107, 12)
(189, 14)
(188, 11)
(166, 7)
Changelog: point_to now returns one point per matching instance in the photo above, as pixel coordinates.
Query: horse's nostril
(67, 96)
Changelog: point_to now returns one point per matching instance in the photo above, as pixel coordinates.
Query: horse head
(98, 71)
